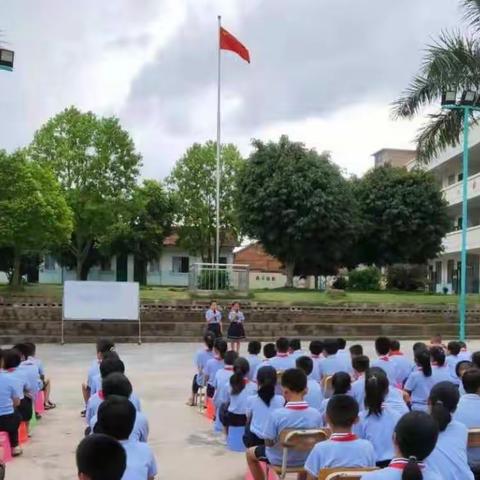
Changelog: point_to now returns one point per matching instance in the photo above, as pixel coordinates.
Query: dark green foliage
(340, 283)
(364, 279)
(406, 277)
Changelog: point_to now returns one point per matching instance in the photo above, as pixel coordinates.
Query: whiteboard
(101, 300)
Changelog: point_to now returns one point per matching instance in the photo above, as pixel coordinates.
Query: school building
(444, 271)
(170, 269)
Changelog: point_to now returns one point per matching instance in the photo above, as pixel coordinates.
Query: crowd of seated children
(269, 351)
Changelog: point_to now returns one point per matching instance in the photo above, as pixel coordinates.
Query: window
(154, 266)
(451, 179)
(180, 264)
(459, 223)
(460, 177)
(49, 263)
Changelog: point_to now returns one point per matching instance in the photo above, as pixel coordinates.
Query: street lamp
(6, 59)
(468, 102)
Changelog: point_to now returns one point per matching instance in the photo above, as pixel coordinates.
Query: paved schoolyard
(184, 443)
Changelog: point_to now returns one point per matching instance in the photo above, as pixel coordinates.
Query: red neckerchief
(282, 355)
(296, 405)
(245, 381)
(101, 396)
(315, 356)
(229, 367)
(395, 353)
(10, 370)
(384, 358)
(343, 437)
(401, 463)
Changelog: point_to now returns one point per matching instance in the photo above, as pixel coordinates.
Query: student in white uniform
(440, 370)
(269, 352)
(222, 378)
(378, 421)
(100, 456)
(261, 405)
(201, 358)
(402, 363)
(382, 347)
(343, 448)
(236, 329)
(282, 361)
(420, 382)
(468, 412)
(332, 363)
(449, 458)
(295, 349)
(316, 349)
(213, 318)
(214, 364)
(344, 354)
(360, 366)
(296, 414)
(314, 396)
(116, 417)
(254, 348)
(416, 434)
(453, 357)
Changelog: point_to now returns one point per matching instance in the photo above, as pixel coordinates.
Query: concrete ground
(183, 440)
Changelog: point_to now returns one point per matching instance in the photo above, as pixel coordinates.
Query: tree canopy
(296, 202)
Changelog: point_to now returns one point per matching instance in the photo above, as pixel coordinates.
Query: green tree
(34, 215)
(404, 216)
(96, 164)
(144, 225)
(452, 62)
(296, 202)
(28, 263)
(193, 184)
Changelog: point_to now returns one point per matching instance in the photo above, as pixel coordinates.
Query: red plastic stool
(271, 474)
(40, 403)
(23, 433)
(5, 448)
(210, 410)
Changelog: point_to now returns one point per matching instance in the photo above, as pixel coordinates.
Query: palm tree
(450, 63)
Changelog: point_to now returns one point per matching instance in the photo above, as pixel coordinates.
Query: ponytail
(376, 389)
(443, 400)
(237, 381)
(266, 381)
(412, 470)
(440, 414)
(422, 358)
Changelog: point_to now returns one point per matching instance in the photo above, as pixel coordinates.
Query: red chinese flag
(229, 42)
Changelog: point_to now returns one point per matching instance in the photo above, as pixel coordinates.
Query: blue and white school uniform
(140, 430)
(296, 415)
(419, 385)
(395, 471)
(32, 375)
(357, 391)
(394, 400)
(282, 362)
(7, 393)
(39, 365)
(201, 359)
(442, 374)
(346, 358)
(388, 367)
(96, 385)
(239, 403)
(19, 381)
(314, 396)
(465, 355)
(212, 367)
(468, 413)
(258, 412)
(332, 364)
(141, 464)
(451, 361)
(93, 371)
(340, 450)
(403, 365)
(95, 400)
(378, 430)
(315, 375)
(297, 354)
(214, 321)
(253, 361)
(222, 385)
(449, 458)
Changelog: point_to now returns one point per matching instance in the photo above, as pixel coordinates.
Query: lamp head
(469, 98)
(449, 97)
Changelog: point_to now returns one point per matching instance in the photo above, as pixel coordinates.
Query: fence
(219, 277)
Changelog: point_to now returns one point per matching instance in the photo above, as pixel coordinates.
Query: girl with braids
(449, 458)
(378, 421)
(261, 405)
(415, 437)
(420, 381)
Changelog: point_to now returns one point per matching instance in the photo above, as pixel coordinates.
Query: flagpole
(217, 245)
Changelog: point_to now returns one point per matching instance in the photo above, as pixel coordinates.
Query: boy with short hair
(356, 350)
(269, 352)
(46, 382)
(403, 365)
(343, 448)
(453, 357)
(253, 359)
(100, 457)
(316, 349)
(296, 414)
(382, 347)
(314, 396)
(282, 361)
(332, 363)
(295, 349)
(360, 365)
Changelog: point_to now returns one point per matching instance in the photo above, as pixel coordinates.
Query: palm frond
(472, 13)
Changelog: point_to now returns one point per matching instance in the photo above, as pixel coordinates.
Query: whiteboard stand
(139, 325)
(62, 333)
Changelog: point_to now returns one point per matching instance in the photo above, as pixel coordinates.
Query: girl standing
(213, 317)
(236, 330)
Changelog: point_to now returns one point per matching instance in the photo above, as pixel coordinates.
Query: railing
(211, 277)
(453, 241)
(453, 193)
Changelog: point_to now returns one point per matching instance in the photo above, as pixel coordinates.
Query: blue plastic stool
(235, 439)
(217, 425)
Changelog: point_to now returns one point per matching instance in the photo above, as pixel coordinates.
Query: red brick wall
(259, 261)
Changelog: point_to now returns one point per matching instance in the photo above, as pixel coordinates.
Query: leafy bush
(207, 280)
(365, 279)
(340, 283)
(406, 277)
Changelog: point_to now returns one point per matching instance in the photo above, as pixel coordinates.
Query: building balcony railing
(454, 193)
(452, 243)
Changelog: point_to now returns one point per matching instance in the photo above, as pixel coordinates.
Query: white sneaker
(16, 451)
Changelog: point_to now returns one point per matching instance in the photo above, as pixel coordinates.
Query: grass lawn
(282, 296)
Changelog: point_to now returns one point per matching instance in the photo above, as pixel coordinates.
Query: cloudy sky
(322, 71)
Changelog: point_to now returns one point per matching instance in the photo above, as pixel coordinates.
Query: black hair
(266, 381)
(330, 346)
(316, 347)
(416, 435)
(443, 401)
(221, 347)
(104, 345)
(476, 359)
(463, 365)
(111, 365)
(32, 347)
(230, 357)
(209, 340)
(422, 359)
(454, 348)
(382, 345)
(462, 344)
(117, 384)
(419, 346)
(269, 350)
(342, 411)
(341, 383)
(376, 389)
(471, 380)
(437, 355)
(101, 457)
(282, 345)
(394, 345)
(254, 347)
(23, 348)
(361, 363)
(11, 358)
(295, 344)
(356, 350)
(116, 417)
(342, 343)
(295, 380)
(241, 367)
(305, 364)
(212, 301)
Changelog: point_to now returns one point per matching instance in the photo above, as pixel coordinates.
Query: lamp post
(469, 101)
(6, 59)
